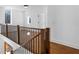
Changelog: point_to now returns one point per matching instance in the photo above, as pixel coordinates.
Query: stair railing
(33, 39)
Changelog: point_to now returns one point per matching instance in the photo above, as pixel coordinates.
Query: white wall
(17, 14)
(2, 15)
(64, 24)
(38, 16)
(17, 17)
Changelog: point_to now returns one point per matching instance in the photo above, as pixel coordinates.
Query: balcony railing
(35, 40)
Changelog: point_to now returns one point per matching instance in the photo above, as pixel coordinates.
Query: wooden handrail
(31, 28)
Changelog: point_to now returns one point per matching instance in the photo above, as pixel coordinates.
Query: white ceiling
(19, 6)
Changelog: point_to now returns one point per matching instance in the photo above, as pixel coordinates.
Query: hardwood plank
(56, 48)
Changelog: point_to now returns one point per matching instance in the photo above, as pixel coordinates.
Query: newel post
(42, 41)
(18, 33)
(47, 39)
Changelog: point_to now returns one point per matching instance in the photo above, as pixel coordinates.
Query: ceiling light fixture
(26, 6)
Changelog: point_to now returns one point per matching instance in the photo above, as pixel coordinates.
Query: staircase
(35, 40)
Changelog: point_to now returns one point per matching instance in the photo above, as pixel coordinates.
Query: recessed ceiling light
(26, 6)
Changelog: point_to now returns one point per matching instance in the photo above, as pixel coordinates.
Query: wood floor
(56, 48)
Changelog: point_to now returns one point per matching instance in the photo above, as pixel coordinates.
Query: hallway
(31, 21)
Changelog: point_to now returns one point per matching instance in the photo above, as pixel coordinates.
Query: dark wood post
(47, 38)
(42, 42)
(18, 33)
(6, 30)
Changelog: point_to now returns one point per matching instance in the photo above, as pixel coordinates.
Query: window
(7, 16)
(28, 19)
